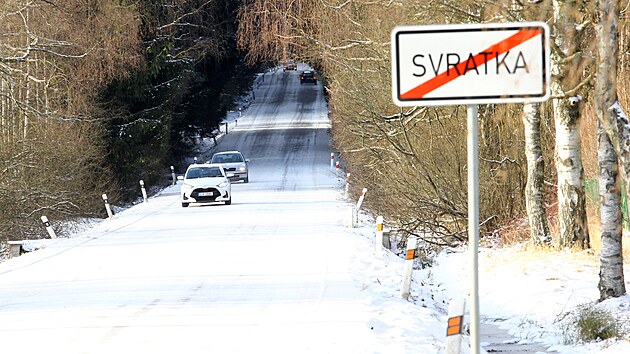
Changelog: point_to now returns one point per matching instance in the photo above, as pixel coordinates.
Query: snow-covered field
(278, 271)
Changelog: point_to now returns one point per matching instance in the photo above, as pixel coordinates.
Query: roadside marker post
(332, 161)
(337, 168)
(360, 201)
(347, 187)
(351, 217)
(379, 234)
(107, 206)
(49, 228)
(355, 215)
(173, 175)
(454, 326)
(471, 64)
(144, 191)
(408, 267)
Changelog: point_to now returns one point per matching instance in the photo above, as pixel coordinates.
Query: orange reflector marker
(412, 241)
(454, 326)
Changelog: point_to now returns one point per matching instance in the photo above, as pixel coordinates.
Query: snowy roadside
(533, 296)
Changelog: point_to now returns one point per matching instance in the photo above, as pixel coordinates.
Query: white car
(205, 183)
(234, 164)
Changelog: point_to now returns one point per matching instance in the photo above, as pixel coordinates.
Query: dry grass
(517, 233)
(528, 256)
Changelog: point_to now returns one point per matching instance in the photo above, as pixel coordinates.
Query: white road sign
(470, 64)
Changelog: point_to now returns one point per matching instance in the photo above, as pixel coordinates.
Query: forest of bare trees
(96, 95)
(52, 57)
(535, 159)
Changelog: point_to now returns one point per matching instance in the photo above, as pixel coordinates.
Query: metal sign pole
(473, 224)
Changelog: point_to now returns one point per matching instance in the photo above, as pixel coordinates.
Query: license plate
(206, 194)
(230, 175)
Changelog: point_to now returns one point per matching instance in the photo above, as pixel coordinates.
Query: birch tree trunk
(611, 277)
(572, 221)
(534, 189)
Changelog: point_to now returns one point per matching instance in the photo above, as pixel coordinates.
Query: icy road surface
(275, 272)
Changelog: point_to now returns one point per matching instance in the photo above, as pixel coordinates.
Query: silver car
(234, 164)
(205, 183)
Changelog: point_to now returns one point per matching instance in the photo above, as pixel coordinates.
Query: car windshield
(227, 158)
(204, 172)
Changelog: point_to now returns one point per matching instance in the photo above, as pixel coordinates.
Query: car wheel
(184, 205)
(228, 202)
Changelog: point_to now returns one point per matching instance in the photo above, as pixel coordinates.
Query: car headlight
(186, 186)
(223, 184)
(242, 168)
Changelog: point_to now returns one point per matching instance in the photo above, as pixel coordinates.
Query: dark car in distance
(308, 76)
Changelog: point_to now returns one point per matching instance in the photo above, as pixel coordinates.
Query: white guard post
(173, 175)
(49, 228)
(360, 202)
(408, 267)
(456, 309)
(355, 215)
(473, 225)
(351, 217)
(144, 191)
(107, 207)
(347, 188)
(332, 161)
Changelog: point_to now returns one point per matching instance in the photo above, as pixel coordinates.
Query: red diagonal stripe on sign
(479, 59)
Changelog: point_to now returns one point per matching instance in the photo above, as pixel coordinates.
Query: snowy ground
(278, 271)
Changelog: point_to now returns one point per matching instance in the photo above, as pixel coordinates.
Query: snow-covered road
(275, 272)
(278, 271)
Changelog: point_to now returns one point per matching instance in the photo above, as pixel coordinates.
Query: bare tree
(568, 65)
(609, 115)
(53, 57)
(535, 189)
